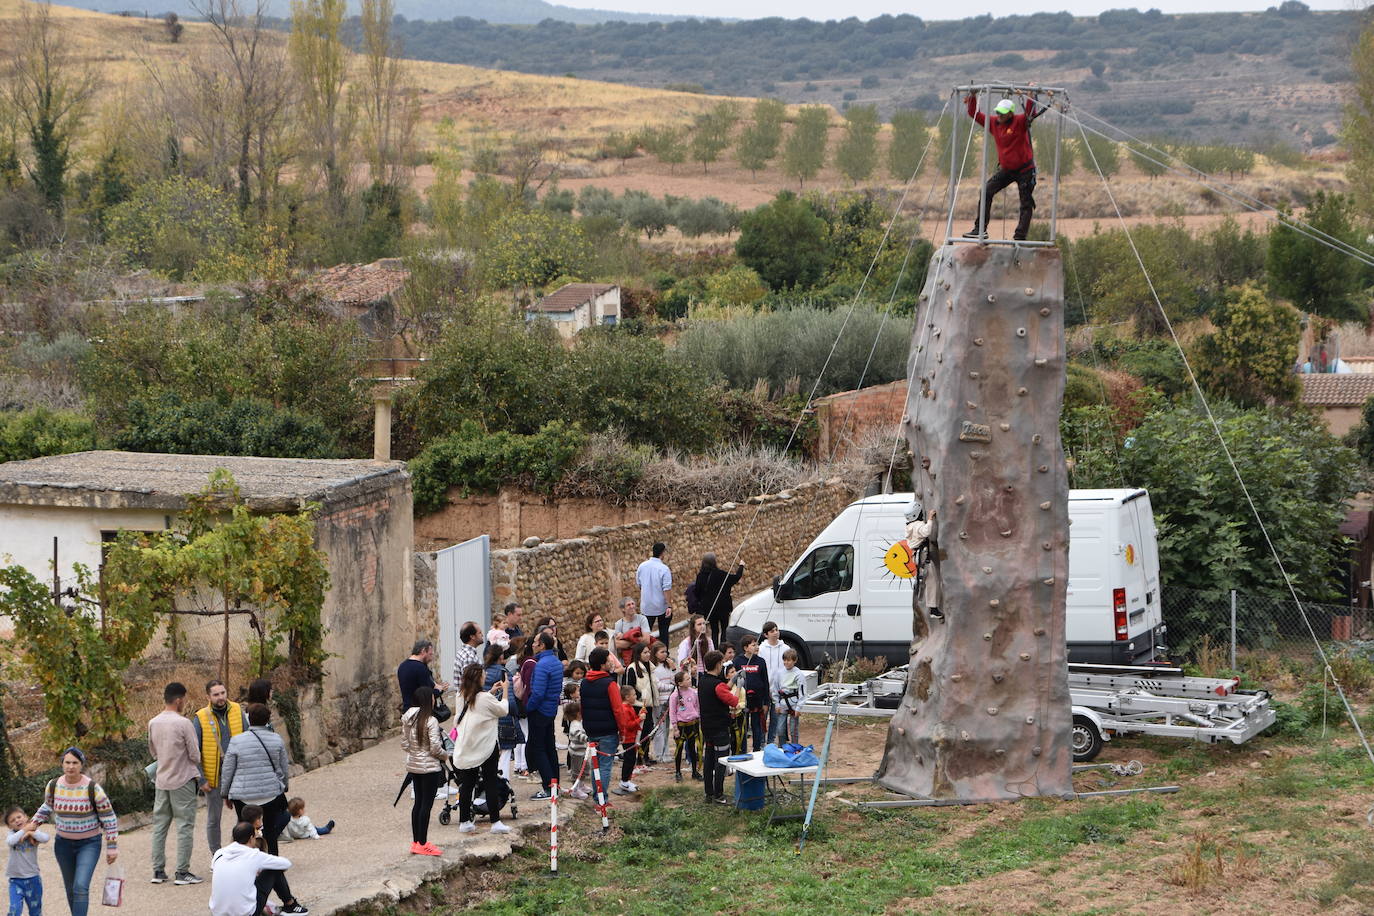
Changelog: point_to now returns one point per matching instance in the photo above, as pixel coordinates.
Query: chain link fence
(1207, 623)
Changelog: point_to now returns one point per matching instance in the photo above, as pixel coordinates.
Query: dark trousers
(274, 820)
(718, 627)
(426, 785)
(628, 753)
(268, 881)
(659, 622)
(646, 734)
(758, 725)
(491, 785)
(541, 753)
(1025, 184)
(717, 749)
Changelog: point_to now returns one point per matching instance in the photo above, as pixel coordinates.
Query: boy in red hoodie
(630, 722)
(1015, 160)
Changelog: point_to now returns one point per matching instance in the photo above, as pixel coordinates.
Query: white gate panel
(463, 572)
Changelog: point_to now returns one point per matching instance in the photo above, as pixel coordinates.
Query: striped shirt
(69, 809)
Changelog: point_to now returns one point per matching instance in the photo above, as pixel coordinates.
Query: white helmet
(915, 511)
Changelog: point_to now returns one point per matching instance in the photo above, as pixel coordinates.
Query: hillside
(525, 12)
(124, 50)
(1257, 77)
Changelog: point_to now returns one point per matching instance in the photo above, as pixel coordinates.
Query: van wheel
(803, 654)
(1086, 739)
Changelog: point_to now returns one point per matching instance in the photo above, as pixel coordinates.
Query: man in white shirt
(234, 874)
(655, 580)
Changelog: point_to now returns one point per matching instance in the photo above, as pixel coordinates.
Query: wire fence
(1207, 622)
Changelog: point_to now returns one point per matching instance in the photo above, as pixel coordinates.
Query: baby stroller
(479, 804)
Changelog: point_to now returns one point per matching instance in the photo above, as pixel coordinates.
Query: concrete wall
(570, 578)
(26, 534)
(368, 614)
(1340, 420)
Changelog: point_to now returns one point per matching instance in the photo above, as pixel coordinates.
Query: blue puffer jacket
(546, 688)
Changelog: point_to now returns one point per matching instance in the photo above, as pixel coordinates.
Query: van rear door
(888, 585)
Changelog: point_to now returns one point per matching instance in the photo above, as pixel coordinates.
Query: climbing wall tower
(986, 713)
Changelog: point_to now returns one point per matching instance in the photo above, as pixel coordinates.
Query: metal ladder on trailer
(1107, 701)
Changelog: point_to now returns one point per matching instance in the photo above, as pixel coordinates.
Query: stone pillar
(986, 714)
(381, 425)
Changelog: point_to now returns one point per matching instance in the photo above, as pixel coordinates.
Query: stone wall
(513, 515)
(570, 578)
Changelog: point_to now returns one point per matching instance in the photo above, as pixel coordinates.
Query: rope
(1230, 459)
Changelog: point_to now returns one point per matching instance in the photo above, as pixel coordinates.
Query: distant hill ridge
(500, 12)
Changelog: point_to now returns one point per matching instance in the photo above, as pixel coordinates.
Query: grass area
(1275, 825)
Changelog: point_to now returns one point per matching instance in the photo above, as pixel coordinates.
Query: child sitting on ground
(577, 746)
(629, 740)
(25, 884)
(300, 826)
(788, 701)
(684, 714)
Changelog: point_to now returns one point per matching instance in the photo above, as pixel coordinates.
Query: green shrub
(482, 462)
(39, 431)
(175, 224)
(245, 426)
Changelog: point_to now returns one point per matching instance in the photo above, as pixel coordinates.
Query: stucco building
(364, 527)
(575, 306)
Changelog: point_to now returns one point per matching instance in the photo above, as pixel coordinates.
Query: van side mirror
(777, 588)
(782, 591)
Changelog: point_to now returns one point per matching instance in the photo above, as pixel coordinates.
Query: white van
(853, 585)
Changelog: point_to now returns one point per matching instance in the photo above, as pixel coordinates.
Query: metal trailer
(1107, 701)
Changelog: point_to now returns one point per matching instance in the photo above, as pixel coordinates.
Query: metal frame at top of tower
(986, 89)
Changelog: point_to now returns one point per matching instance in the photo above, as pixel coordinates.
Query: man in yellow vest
(215, 724)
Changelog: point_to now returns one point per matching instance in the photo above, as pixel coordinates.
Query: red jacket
(1014, 151)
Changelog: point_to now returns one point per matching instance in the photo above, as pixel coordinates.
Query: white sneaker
(499, 827)
(467, 827)
(628, 786)
(445, 792)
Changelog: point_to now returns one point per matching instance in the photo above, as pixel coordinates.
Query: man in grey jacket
(256, 773)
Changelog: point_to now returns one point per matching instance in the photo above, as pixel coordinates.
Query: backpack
(90, 793)
(693, 602)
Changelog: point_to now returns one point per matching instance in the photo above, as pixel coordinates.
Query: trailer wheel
(1086, 739)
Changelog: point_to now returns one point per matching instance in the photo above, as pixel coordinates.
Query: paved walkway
(367, 858)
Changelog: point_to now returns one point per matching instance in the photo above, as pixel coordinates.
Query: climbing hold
(1035, 751)
(1036, 438)
(1039, 631)
(1045, 312)
(1040, 362)
(977, 341)
(987, 637)
(1009, 488)
(959, 500)
(1007, 533)
(1020, 332)
(974, 374)
(964, 736)
(1000, 752)
(956, 678)
(1045, 506)
(1021, 392)
(1049, 581)
(924, 296)
(992, 710)
(997, 678)
(1025, 656)
(991, 297)
(975, 455)
(1030, 291)
(1043, 468)
(988, 570)
(1047, 545)
(1004, 427)
(971, 405)
(900, 730)
(963, 535)
(994, 602)
(1030, 720)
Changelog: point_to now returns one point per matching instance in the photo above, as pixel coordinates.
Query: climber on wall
(1015, 159)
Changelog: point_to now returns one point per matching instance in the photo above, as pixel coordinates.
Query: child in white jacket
(300, 826)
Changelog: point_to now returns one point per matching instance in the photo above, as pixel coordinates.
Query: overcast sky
(867, 9)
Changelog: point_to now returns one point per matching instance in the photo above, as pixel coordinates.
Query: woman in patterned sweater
(79, 810)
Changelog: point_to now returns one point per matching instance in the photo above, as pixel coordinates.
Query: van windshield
(826, 569)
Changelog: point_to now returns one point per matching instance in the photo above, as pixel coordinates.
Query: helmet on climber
(914, 511)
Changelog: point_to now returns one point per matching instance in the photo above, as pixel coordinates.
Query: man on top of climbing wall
(1015, 159)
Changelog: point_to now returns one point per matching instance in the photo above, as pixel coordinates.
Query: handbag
(113, 892)
(441, 712)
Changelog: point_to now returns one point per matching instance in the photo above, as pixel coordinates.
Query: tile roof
(1350, 389)
(360, 284)
(568, 297)
(147, 480)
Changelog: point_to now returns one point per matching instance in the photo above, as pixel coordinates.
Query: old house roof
(144, 480)
(360, 284)
(571, 296)
(1350, 389)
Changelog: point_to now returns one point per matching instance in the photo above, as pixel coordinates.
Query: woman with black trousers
(713, 587)
(475, 749)
(424, 748)
(716, 700)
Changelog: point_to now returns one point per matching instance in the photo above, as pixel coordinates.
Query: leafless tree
(390, 105)
(321, 64)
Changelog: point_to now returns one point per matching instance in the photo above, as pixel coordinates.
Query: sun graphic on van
(900, 561)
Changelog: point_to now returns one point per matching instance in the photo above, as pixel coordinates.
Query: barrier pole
(553, 828)
(592, 755)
